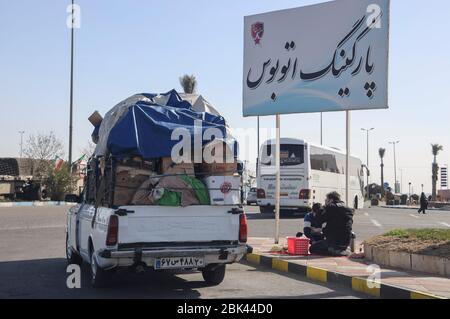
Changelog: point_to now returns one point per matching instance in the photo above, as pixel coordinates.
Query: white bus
(308, 173)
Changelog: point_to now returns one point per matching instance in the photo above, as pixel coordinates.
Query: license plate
(179, 262)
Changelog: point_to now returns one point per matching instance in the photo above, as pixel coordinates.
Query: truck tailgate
(157, 224)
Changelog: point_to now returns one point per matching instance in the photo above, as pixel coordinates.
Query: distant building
(444, 195)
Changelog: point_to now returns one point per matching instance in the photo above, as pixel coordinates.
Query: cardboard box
(126, 186)
(223, 190)
(216, 169)
(95, 118)
(167, 166)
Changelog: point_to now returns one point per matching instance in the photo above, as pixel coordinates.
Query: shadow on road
(46, 278)
(259, 216)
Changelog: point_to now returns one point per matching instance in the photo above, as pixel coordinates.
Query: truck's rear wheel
(100, 277)
(214, 274)
(71, 256)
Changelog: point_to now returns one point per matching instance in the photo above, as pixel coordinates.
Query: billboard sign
(444, 180)
(326, 57)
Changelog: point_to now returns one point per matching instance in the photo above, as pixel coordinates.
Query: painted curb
(31, 204)
(358, 284)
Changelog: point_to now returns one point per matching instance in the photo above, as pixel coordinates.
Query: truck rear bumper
(130, 257)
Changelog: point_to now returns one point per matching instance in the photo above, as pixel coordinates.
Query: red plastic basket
(298, 246)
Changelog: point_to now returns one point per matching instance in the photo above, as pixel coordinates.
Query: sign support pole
(321, 128)
(277, 181)
(257, 150)
(347, 156)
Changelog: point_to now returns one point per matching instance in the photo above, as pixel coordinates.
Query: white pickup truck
(142, 237)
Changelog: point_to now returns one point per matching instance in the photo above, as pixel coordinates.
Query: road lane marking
(366, 214)
(444, 224)
(412, 215)
(376, 223)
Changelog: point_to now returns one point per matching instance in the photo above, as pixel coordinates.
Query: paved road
(368, 222)
(32, 265)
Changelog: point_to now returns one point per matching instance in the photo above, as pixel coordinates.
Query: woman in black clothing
(423, 203)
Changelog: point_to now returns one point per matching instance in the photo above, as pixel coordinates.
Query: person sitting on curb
(311, 227)
(338, 231)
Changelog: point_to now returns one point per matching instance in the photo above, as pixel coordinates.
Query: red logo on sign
(225, 188)
(257, 32)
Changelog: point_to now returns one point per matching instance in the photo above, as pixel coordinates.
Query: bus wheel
(355, 203)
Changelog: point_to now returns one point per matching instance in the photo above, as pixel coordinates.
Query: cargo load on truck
(134, 164)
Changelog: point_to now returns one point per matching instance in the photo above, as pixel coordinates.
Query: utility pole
(321, 128)
(395, 166)
(257, 151)
(71, 87)
(409, 195)
(367, 163)
(21, 143)
(401, 180)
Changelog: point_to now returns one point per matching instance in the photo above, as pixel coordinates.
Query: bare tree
(43, 148)
(88, 150)
(188, 83)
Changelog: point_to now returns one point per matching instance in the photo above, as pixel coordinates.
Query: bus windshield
(290, 155)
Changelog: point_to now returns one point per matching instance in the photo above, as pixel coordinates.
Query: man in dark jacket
(338, 231)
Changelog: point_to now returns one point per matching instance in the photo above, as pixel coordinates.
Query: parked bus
(308, 173)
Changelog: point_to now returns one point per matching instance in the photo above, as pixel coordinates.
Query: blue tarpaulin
(145, 128)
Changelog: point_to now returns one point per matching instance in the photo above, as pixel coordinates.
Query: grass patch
(422, 234)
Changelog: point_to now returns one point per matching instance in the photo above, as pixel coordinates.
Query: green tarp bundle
(173, 198)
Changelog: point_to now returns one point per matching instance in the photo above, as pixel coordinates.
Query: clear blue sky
(127, 47)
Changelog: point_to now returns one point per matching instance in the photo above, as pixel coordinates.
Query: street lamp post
(395, 165)
(21, 143)
(409, 195)
(367, 163)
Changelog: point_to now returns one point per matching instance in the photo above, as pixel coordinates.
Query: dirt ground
(412, 245)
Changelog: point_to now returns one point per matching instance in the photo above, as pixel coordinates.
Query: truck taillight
(304, 194)
(112, 235)
(243, 228)
(261, 193)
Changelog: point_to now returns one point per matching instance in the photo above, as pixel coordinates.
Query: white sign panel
(327, 57)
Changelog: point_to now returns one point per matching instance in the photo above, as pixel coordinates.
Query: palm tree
(381, 152)
(188, 83)
(435, 149)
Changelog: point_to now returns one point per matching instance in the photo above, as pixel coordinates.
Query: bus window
(290, 155)
(325, 161)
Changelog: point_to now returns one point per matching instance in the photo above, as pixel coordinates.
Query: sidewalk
(354, 273)
(35, 203)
